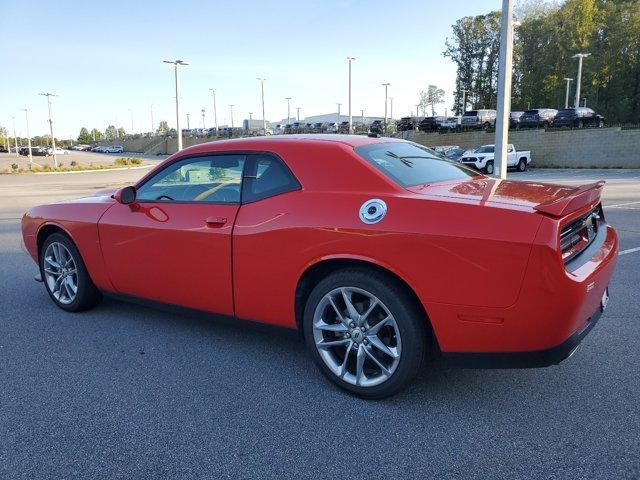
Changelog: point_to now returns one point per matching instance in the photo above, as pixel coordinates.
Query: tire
(580, 124)
(486, 126)
(545, 125)
(86, 295)
(407, 337)
(522, 165)
(488, 168)
(601, 124)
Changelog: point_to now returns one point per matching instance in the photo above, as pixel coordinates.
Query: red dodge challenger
(379, 250)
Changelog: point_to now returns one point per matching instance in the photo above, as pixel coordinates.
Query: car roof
(268, 142)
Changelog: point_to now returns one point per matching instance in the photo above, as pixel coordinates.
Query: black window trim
(253, 162)
(247, 161)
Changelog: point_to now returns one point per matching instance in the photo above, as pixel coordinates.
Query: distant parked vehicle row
(108, 149)
(578, 117)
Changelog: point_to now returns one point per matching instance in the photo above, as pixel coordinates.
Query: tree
(110, 133)
(84, 136)
(163, 128)
(432, 96)
(96, 134)
(121, 133)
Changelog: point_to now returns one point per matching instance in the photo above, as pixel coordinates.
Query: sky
(104, 60)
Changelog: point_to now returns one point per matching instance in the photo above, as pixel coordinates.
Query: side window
(266, 176)
(214, 179)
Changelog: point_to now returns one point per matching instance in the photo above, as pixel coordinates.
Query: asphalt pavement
(125, 391)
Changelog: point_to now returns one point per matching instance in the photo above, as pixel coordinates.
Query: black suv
(428, 124)
(407, 123)
(537, 117)
(343, 127)
(578, 117)
(377, 126)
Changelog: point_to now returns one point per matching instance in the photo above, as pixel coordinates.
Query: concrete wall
(588, 148)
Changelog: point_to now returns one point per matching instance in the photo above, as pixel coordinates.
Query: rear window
(471, 113)
(409, 164)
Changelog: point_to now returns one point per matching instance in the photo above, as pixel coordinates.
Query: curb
(96, 170)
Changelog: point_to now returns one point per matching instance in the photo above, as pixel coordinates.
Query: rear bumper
(535, 359)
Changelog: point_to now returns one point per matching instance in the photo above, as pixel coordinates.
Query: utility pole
(386, 86)
(362, 115)
(26, 114)
(215, 111)
(152, 129)
(464, 101)
(579, 56)
(298, 114)
(176, 63)
(391, 109)
(231, 110)
(188, 125)
(15, 138)
(203, 122)
(350, 59)
(566, 95)
(288, 99)
(53, 141)
(264, 120)
(504, 89)
(417, 114)
(339, 118)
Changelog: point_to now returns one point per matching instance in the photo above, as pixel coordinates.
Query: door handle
(215, 221)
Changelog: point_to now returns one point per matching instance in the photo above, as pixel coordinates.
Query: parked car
(407, 124)
(537, 117)
(478, 119)
(578, 117)
(35, 151)
(448, 123)
(454, 154)
(98, 148)
(332, 127)
(482, 158)
(343, 127)
(318, 127)
(428, 124)
(376, 127)
(4, 150)
(514, 119)
(113, 149)
(518, 272)
(59, 151)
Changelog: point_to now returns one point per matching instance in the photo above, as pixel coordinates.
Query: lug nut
(362, 329)
(347, 335)
(352, 325)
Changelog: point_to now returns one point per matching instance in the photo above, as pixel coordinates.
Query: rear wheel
(365, 332)
(580, 124)
(65, 276)
(486, 126)
(601, 124)
(489, 168)
(522, 165)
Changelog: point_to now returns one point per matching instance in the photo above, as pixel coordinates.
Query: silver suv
(478, 119)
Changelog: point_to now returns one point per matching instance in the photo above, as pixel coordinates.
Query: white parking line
(620, 205)
(630, 250)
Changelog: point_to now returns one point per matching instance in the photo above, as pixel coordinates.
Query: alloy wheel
(60, 273)
(357, 336)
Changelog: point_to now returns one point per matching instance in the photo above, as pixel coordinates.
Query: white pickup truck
(482, 158)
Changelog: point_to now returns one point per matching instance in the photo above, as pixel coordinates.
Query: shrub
(121, 161)
(74, 163)
(136, 161)
(14, 166)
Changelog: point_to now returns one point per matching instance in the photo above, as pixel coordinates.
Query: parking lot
(125, 391)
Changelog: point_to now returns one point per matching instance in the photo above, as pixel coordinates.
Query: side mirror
(125, 195)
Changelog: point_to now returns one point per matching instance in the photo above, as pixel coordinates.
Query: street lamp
(386, 86)
(579, 56)
(339, 119)
(264, 120)
(26, 114)
(390, 109)
(566, 95)
(504, 89)
(288, 99)
(464, 100)
(417, 106)
(350, 59)
(231, 110)
(362, 115)
(298, 111)
(53, 141)
(175, 64)
(215, 111)
(203, 123)
(188, 125)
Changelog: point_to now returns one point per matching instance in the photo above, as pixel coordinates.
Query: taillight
(578, 235)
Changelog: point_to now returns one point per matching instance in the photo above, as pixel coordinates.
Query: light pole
(188, 125)
(175, 64)
(15, 138)
(203, 123)
(264, 120)
(390, 109)
(386, 86)
(566, 95)
(288, 99)
(152, 129)
(231, 110)
(339, 119)
(26, 114)
(53, 141)
(215, 111)
(131, 113)
(362, 115)
(579, 56)
(417, 113)
(504, 89)
(350, 59)
(298, 112)
(464, 100)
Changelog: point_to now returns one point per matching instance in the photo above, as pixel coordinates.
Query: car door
(511, 155)
(173, 244)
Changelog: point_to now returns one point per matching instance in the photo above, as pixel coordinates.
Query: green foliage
(126, 161)
(163, 128)
(84, 136)
(547, 38)
(430, 97)
(111, 133)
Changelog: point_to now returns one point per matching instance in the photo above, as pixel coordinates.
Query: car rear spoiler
(577, 199)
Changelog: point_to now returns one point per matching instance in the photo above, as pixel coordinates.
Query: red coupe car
(379, 250)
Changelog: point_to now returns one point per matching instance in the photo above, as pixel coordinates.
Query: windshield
(485, 149)
(410, 164)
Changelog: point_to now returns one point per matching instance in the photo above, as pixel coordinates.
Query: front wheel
(65, 275)
(365, 332)
(522, 165)
(489, 168)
